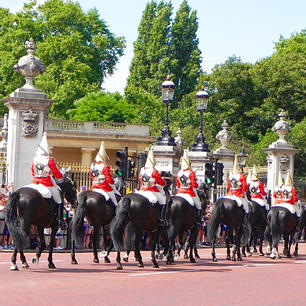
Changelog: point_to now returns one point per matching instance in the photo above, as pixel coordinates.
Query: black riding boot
(198, 216)
(61, 222)
(162, 218)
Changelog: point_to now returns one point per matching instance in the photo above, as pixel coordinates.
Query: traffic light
(219, 174)
(130, 168)
(122, 163)
(209, 174)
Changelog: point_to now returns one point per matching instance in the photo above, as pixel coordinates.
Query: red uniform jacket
(108, 179)
(193, 184)
(159, 180)
(262, 193)
(46, 181)
(239, 192)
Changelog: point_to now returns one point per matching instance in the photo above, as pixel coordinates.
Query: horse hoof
(35, 261)
(239, 259)
(186, 256)
(177, 256)
(289, 256)
(234, 259)
(125, 259)
(197, 256)
(295, 254)
(25, 265)
(74, 262)
(249, 254)
(140, 265)
(119, 267)
(14, 267)
(106, 260)
(193, 260)
(214, 260)
(52, 266)
(228, 257)
(95, 260)
(156, 266)
(161, 256)
(261, 254)
(272, 256)
(103, 254)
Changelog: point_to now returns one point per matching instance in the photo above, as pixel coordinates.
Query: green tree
(77, 49)
(101, 106)
(185, 55)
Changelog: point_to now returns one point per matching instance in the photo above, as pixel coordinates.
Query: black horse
(301, 226)
(281, 222)
(228, 212)
(182, 218)
(258, 223)
(99, 213)
(26, 207)
(142, 216)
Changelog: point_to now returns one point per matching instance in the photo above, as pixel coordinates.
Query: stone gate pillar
(280, 154)
(28, 108)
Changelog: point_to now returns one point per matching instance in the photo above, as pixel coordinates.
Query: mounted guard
(45, 177)
(151, 185)
(277, 193)
(237, 186)
(102, 181)
(257, 190)
(186, 183)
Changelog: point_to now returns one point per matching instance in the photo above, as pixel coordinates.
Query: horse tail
(276, 229)
(78, 220)
(15, 223)
(130, 236)
(119, 223)
(213, 225)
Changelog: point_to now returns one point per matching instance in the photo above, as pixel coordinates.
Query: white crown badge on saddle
(294, 209)
(149, 195)
(43, 190)
(187, 197)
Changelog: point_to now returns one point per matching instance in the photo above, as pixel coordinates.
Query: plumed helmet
(185, 162)
(43, 147)
(101, 156)
(150, 162)
(236, 168)
(288, 180)
(254, 174)
(280, 179)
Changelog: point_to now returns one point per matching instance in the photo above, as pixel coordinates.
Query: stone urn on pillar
(28, 109)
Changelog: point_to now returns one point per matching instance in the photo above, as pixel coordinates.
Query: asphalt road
(255, 281)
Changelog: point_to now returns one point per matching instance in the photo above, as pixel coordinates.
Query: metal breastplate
(97, 173)
(41, 166)
(287, 193)
(254, 187)
(235, 181)
(146, 177)
(183, 177)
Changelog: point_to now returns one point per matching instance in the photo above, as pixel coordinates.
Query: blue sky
(246, 28)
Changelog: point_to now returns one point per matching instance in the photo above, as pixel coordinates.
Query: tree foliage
(77, 49)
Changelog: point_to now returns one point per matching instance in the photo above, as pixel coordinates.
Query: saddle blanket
(148, 194)
(187, 197)
(261, 202)
(104, 193)
(43, 190)
(294, 209)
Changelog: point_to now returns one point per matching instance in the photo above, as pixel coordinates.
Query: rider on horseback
(43, 170)
(151, 184)
(257, 190)
(288, 196)
(102, 181)
(186, 182)
(237, 185)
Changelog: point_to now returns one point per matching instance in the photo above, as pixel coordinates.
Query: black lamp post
(242, 159)
(167, 88)
(201, 102)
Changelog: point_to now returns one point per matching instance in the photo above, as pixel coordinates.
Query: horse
(258, 222)
(280, 222)
(228, 212)
(301, 226)
(99, 213)
(26, 207)
(182, 217)
(142, 216)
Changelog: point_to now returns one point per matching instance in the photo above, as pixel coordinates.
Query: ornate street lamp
(201, 102)
(167, 89)
(242, 159)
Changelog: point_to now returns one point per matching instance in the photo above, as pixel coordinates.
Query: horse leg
(23, 260)
(95, 242)
(296, 249)
(192, 242)
(137, 251)
(54, 229)
(73, 259)
(238, 240)
(261, 242)
(228, 250)
(109, 248)
(126, 256)
(154, 238)
(243, 251)
(268, 237)
(118, 260)
(42, 245)
(287, 245)
(13, 266)
(172, 234)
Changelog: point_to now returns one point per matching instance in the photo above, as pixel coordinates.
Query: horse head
(68, 187)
